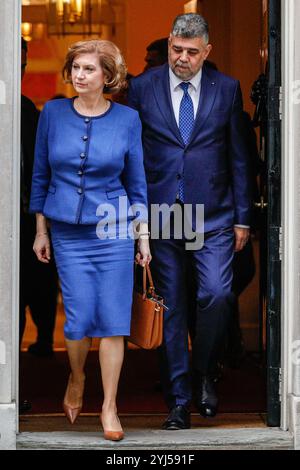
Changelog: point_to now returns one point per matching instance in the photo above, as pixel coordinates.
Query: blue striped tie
(186, 124)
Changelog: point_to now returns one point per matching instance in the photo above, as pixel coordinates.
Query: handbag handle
(151, 289)
(147, 272)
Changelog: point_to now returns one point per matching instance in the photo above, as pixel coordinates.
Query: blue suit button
(82, 155)
(178, 176)
(80, 190)
(80, 172)
(85, 137)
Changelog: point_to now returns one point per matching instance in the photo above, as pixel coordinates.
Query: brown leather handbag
(147, 315)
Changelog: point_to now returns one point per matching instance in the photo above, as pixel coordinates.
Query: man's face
(23, 62)
(186, 56)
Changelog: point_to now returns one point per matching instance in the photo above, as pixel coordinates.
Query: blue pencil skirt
(96, 279)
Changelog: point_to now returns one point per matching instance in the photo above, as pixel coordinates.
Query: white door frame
(10, 74)
(288, 203)
(290, 219)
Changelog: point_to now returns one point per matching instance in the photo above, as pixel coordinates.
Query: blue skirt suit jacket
(80, 163)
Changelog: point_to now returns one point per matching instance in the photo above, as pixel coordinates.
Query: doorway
(241, 46)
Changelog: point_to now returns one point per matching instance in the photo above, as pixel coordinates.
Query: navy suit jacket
(83, 162)
(215, 162)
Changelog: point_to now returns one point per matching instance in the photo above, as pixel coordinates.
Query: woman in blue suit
(89, 163)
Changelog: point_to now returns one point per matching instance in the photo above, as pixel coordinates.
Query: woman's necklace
(94, 112)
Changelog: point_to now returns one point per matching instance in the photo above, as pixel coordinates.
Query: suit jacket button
(82, 155)
(80, 190)
(85, 137)
(80, 173)
(178, 176)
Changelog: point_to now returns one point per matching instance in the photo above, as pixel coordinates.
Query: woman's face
(87, 74)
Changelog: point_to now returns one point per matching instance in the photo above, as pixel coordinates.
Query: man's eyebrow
(191, 49)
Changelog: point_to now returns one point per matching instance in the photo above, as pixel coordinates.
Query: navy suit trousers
(213, 273)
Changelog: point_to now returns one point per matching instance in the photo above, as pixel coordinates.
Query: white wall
(291, 219)
(9, 215)
(296, 111)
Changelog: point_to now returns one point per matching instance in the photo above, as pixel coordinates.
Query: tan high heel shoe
(71, 412)
(112, 435)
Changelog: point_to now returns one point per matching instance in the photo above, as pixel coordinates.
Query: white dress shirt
(177, 92)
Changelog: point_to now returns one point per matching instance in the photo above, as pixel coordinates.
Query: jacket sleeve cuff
(34, 209)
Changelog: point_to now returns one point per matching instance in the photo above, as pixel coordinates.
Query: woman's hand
(143, 255)
(41, 247)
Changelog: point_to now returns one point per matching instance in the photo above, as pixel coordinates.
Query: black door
(266, 95)
(273, 152)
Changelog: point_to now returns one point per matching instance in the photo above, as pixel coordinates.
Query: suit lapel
(208, 92)
(161, 89)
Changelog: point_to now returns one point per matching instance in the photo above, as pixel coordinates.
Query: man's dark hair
(161, 46)
(190, 25)
(24, 45)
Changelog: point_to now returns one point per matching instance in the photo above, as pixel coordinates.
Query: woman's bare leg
(111, 355)
(77, 352)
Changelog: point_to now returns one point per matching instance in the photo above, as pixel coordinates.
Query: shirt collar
(175, 81)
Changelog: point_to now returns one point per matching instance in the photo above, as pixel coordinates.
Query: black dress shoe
(206, 400)
(41, 349)
(179, 418)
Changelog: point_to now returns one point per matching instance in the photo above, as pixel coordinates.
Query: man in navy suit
(194, 153)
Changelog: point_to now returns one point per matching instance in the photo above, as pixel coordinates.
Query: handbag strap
(147, 272)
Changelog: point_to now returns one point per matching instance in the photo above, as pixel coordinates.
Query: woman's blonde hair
(110, 59)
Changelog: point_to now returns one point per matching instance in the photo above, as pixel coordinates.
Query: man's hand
(241, 237)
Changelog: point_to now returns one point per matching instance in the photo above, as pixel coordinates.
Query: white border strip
(16, 203)
(289, 201)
